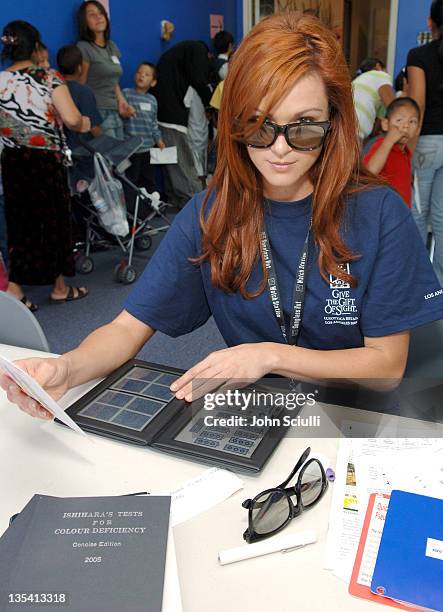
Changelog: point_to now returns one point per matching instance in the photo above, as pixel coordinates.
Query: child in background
(224, 46)
(390, 156)
(70, 64)
(40, 57)
(143, 124)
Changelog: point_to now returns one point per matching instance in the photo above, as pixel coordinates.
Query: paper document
(199, 494)
(34, 390)
(168, 155)
(422, 474)
(344, 525)
(420, 471)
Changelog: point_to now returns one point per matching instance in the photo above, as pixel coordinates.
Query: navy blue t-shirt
(84, 99)
(397, 288)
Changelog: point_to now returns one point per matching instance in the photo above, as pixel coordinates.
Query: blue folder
(409, 565)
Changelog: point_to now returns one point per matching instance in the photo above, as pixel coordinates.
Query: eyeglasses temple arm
(297, 467)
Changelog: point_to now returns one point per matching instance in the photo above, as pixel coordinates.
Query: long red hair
(278, 51)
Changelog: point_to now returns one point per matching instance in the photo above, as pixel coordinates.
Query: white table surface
(39, 457)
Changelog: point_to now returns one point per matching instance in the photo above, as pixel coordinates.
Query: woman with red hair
(310, 267)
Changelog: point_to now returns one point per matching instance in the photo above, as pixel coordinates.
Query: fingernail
(173, 387)
(180, 395)
(33, 405)
(11, 388)
(188, 398)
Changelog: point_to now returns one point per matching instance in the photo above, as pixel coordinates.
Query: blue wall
(55, 25)
(135, 24)
(412, 18)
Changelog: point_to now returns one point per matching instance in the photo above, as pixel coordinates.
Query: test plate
(128, 403)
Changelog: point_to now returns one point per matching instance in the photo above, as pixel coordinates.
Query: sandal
(29, 305)
(70, 297)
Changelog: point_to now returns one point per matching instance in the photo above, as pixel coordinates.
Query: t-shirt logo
(338, 283)
(340, 307)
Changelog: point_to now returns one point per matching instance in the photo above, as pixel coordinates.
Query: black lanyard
(299, 288)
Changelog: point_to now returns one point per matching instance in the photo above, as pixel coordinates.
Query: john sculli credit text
(261, 420)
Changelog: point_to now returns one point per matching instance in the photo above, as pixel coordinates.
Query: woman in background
(101, 67)
(37, 203)
(425, 79)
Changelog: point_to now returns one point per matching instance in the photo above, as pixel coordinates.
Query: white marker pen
(270, 545)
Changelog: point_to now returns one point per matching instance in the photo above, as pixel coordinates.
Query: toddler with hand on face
(390, 156)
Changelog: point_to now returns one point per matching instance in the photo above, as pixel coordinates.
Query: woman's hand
(51, 374)
(125, 110)
(85, 126)
(240, 364)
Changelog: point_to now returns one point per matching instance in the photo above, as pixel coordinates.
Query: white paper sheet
(168, 155)
(344, 526)
(422, 474)
(34, 390)
(419, 471)
(376, 446)
(201, 493)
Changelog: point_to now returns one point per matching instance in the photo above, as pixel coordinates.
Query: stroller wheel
(118, 272)
(143, 243)
(84, 264)
(124, 274)
(129, 275)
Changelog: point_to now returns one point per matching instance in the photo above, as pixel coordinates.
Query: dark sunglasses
(301, 135)
(271, 510)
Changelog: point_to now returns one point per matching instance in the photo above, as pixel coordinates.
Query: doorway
(366, 30)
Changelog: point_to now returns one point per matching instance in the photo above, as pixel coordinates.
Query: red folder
(360, 590)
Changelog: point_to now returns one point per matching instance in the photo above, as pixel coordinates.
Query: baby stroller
(106, 218)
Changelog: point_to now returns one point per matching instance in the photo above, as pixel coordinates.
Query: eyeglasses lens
(306, 136)
(270, 511)
(311, 483)
(262, 137)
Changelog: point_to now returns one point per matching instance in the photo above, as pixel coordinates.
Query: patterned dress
(37, 202)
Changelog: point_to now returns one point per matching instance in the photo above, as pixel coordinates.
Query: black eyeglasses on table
(271, 510)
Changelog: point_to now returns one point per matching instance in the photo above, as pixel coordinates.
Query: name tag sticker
(115, 59)
(145, 106)
(434, 548)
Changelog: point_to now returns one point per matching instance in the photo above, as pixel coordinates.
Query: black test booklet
(135, 405)
(86, 553)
